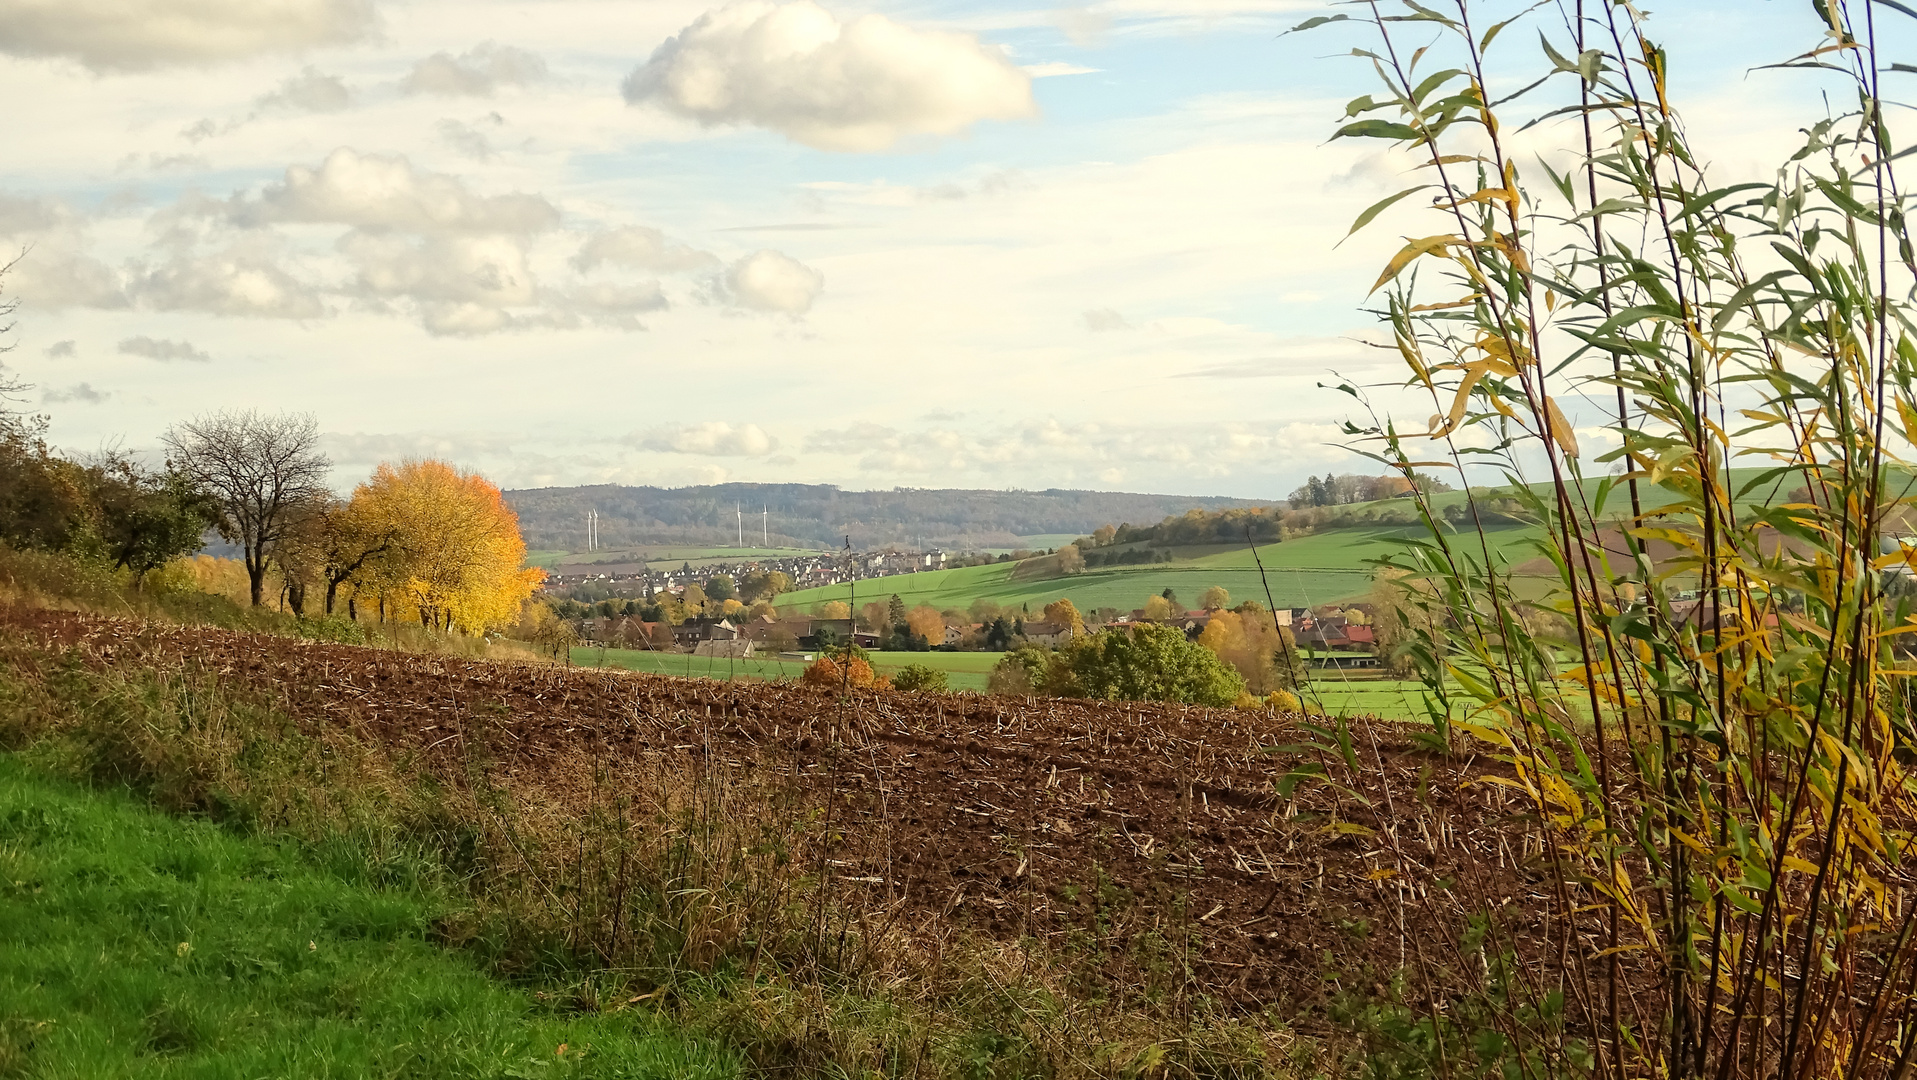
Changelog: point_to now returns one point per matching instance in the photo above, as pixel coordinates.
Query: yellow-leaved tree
(457, 559)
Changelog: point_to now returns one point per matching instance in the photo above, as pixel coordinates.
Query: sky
(944, 243)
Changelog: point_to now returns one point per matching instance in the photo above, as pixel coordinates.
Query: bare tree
(262, 470)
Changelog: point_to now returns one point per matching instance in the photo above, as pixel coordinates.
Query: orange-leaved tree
(926, 622)
(457, 560)
(1066, 612)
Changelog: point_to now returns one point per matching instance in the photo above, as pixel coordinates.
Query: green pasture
(966, 671)
(1305, 572)
(1391, 699)
(1124, 587)
(133, 944)
(1339, 693)
(544, 559)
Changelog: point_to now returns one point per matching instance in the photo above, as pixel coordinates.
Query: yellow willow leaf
(1426, 246)
(1505, 195)
(1892, 559)
(1653, 532)
(1514, 785)
(1567, 439)
(1799, 865)
(1413, 357)
(1488, 734)
(1909, 413)
(1550, 301)
(1466, 302)
(1500, 347)
(1459, 403)
(1691, 842)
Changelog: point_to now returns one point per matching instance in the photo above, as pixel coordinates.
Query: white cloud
(640, 248)
(463, 319)
(374, 191)
(50, 278)
(60, 350)
(83, 393)
(608, 304)
(1085, 27)
(243, 279)
(714, 438)
(311, 90)
(770, 281)
(479, 72)
(857, 86)
(466, 140)
(367, 449)
(462, 285)
(52, 269)
(1099, 320)
(1054, 69)
(1064, 449)
(162, 350)
(134, 34)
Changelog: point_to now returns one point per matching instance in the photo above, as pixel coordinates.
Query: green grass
(1356, 695)
(1391, 699)
(545, 560)
(687, 665)
(133, 944)
(1306, 572)
(967, 671)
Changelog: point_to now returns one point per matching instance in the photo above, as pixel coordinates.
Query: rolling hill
(1305, 572)
(822, 515)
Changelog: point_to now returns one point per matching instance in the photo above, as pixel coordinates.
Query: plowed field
(1003, 816)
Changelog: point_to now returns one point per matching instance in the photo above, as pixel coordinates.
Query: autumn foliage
(827, 674)
(455, 557)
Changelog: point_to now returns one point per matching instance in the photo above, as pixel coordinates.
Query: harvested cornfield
(1063, 825)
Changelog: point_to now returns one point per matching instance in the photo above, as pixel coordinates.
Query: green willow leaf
(1377, 129)
(1314, 23)
(1379, 207)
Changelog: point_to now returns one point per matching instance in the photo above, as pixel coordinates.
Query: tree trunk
(352, 608)
(256, 577)
(332, 592)
(296, 597)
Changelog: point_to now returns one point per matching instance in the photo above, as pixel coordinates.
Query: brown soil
(1001, 815)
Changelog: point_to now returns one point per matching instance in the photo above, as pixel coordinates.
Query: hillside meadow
(1325, 568)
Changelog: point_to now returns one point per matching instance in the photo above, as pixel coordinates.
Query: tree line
(421, 541)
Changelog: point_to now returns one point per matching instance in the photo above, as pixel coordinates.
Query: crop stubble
(993, 815)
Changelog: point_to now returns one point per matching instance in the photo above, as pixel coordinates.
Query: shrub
(1152, 663)
(825, 673)
(1283, 701)
(920, 677)
(335, 628)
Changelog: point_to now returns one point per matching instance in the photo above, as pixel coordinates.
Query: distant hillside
(821, 515)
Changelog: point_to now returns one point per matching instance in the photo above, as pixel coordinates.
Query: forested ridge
(824, 515)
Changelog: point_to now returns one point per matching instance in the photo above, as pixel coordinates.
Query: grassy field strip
(1123, 588)
(133, 944)
(1394, 699)
(967, 671)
